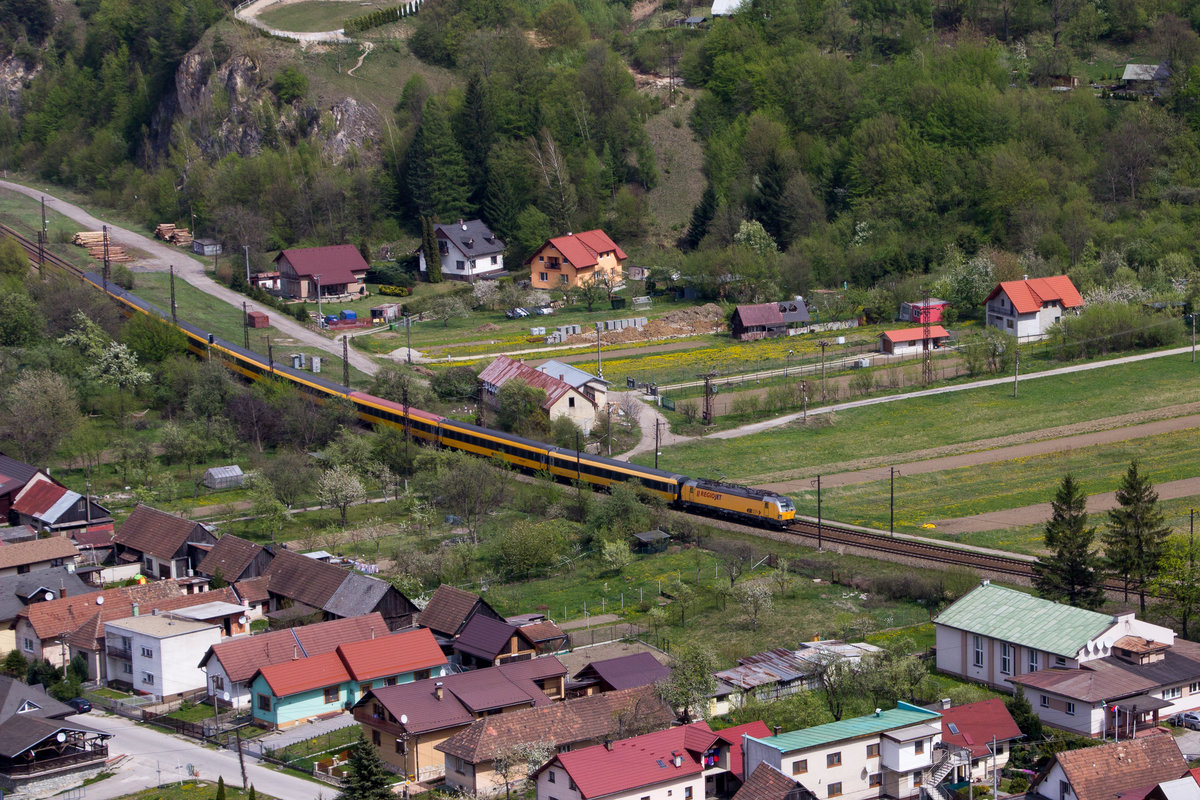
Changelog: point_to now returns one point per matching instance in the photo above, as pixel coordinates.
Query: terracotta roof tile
(1028, 296)
(231, 555)
(1101, 773)
(768, 783)
(450, 608)
(22, 553)
(915, 334)
(583, 249)
(148, 530)
(242, 657)
(977, 723)
(406, 651)
(254, 590)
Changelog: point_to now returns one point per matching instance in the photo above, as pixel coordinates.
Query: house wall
(956, 656)
(561, 789)
(582, 412)
(472, 265)
(422, 760)
(31, 646)
(239, 691)
(1054, 786)
(33, 565)
(170, 668)
(294, 709)
(567, 275)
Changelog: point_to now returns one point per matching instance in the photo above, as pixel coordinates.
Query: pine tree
(475, 134)
(1137, 534)
(437, 173)
(702, 215)
(433, 257)
(368, 779)
(220, 788)
(766, 199)
(1071, 572)
(253, 795)
(500, 208)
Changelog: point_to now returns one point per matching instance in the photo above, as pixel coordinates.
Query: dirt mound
(709, 312)
(487, 327)
(689, 321)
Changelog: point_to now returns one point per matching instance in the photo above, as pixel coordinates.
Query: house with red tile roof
(304, 689)
(13, 477)
(912, 340)
(575, 259)
(688, 762)
(562, 399)
(1027, 308)
(984, 733)
(1111, 770)
(407, 721)
(47, 506)
(338, 270)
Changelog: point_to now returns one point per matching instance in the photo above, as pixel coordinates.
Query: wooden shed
(257, 319)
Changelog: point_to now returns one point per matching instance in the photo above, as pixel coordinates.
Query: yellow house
(577, 258)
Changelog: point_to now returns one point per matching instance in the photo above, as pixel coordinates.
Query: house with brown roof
(231, 664)
(614, 674)
(768, 783)
(47, 506)
(255, 595)
(234, 559)
(162, 542)
(562, 399)
(333, 271)
(575, 259)
(545, 634)
(485, 642)
(301, 586)
(406, 722)
(449, 610)
(22, 557)
(1111, 770)
(1027, 308)
(761, 320)
(325, 684)
(569, 725)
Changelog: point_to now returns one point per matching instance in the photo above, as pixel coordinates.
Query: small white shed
(229, 477)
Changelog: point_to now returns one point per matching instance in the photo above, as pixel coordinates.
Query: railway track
(50, 259)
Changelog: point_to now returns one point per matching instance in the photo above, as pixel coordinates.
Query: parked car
(516, 313)
(1187, 719)
(80, 704)
(544, 311)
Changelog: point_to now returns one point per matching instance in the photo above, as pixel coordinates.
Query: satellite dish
(243, 619)
(62, 737)
(404, 719)
(48, 596)
(100, 601)
(225, 697)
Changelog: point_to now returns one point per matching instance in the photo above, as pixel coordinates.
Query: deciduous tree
(40, 411)
(1177, 582)
(691, 682)
(756, 599)
(340, 488)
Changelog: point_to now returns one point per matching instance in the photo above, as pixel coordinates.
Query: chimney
(137, 609)
(62, 588)
(608, 745)
(295, 652)
(372, 632)
(570, 234)
(437, 690)
(778, 730)
(677, 760)
(878, 711)
(1024, 277)
(462, 224)
(945, 703)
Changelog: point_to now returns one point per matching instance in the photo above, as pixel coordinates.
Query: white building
(1027, 308)
(468, 250)
(157, 654)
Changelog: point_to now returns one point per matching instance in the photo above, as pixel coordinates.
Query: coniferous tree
(475, 134)
(220, 787)
(766, 199)
(1070, 572)
(368, 778)
(1137, 534)
(437, 173)
(500, 208)
(252, 795)
(433, 258)
(702, 215)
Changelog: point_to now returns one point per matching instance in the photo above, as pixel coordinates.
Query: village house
(921, 311)
(616, 674)
(575, 259)
(912, 340)
(763, 320)
(570, 725)
(467, 250)
(1083, 671)
(449, 610)
(45, 505)
(768, 783)
(304, 689)
(1027, 308)
(162, 542)
(1111, 770)
(545, 634)
(24, 557)
(406, 722)
(689, 762)
(890, 753)
(234, 559)
(983, 732)
(13, 477)
(231, 664)
(562, 399)
(485, 642)
(155, 654)
(333, 271)
(39, 586)
(584, 382)
(1146, 78)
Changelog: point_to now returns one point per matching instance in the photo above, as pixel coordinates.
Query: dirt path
(1052, 440)
(646, 444)
(160, 257)
(1039, 513)
(366, 48)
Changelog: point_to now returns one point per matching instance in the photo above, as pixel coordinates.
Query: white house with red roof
(912, 340)
(337, 269)
(577, 258)
(1027, 308)
(982, 732)
(689, 762)
(562, 398)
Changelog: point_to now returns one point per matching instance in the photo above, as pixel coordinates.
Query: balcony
(119, 651)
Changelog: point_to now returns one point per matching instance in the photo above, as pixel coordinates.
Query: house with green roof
(890, 753)
(994, 634)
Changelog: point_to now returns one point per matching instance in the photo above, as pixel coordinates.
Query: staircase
(951, 756)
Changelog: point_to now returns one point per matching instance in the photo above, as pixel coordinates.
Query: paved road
(161, 256)
(151, 751)
(648, 418)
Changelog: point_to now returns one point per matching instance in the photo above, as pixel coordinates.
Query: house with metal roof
(562, 399)
(407, 721)
(1027, 308)
(38, 586)
(594, 387)
(14, 475)
(781, 672)
(982, 733)
(332, 271)
(485, 642)
(449, 610)
(468, 251)
(890, 753)
(614, 674)
(577, 258)
(299, 690)
(912, 340)
(49, 507)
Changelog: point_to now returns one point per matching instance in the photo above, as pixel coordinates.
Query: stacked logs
(94, 242)
(176, 236)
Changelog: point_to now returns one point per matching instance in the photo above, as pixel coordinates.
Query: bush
(1018, 783)
(455, 385)
(1112, 327)
(395, 291)
(290, 85)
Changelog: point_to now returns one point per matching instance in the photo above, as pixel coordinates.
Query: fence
(586, 637)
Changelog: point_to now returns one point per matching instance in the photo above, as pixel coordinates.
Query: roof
(504, 369)
(162, 626)
(1100, 773)
(584, 249)
(253, 590)
(81, 618)
(358, 594)
(725, 7)
(305, 674)
(973, 725)
(21, 553)
(243, 656)
(760, 314)
(1184, 788)
(766, 783)
(652, 536)
(639, 761)
(471, 236)
(1025, 620)
(467, 694)
(626, 672)
(575, 376)
(230, 556)
(580, 719)
(14, 589)
(487, 638)
(1146, 72)
(18, 735)
(774, 666)
(903, 715)
(92, 538)
(44, 499)
(14, 694)
(391, 655)
(757, 729)
(542, 631)
(1031, 294)
(232, 471)
(1140, 645)
(155, 532)
(14, 474)
(212, 610)
(303, 579)
(1112, 677)
(915, 334)
(333, 263)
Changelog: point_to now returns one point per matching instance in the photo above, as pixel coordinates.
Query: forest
(859, 144)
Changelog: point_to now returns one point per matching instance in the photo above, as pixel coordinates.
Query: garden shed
(651, 541)
(230, 477)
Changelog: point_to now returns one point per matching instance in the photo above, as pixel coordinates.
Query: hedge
(381, 17)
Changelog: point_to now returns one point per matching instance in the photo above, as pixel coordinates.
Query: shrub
(290, 85)
(395, 291)
(1018, 783)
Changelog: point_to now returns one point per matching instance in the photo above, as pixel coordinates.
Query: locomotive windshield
(785, 504)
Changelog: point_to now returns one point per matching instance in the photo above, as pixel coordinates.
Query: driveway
(157, 757)
(1189, 744)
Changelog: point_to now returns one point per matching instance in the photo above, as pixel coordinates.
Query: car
(514, 313)
(1187, 719)
(522, 312)
(80, 704)
(544, 311)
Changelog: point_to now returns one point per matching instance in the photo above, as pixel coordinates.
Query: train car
(420, 424)
(522, 453)
(740, 502)
(600, 471)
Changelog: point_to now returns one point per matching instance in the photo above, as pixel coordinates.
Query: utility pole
(408, 336)
(174, 307)
(708, 405)
(1193, 316)
(346, 360)
(407, 428)
(995, 772)
(599, 365)
(320, 315)
(823, 344)
(926, 343)
(105, 230)
(246, 248)
(657, 424)
(270, 355)
(818, 512)
(804, 394)
(578, 468)
(892, 502)
(241, 756)
(42, 245)
(245, 327)
(1016, 367)
(608, 426)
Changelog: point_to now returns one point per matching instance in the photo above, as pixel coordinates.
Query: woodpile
(94, 242)
(177, 236)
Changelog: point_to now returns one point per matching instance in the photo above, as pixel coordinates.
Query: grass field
(958, 418)
(191, 790)
(312, 15)
(24, 215)
(680, 181)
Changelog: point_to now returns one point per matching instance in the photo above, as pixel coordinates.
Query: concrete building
(156, 654)
(467, 250)
(1027, 308)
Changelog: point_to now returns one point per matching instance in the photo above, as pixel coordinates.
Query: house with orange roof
(302, 689)
(1027, 308)
(912, 340)
(577, 258)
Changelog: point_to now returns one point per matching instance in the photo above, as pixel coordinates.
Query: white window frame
(1006, 658)
(1070, 708)
(1172, 693)
(1035, 659)
(977, 643)
(1044, 702)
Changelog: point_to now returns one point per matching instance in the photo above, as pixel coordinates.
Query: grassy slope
(23, 214)
(681, 181)
(310, 15)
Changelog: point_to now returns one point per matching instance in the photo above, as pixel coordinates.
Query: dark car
(80, 704)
